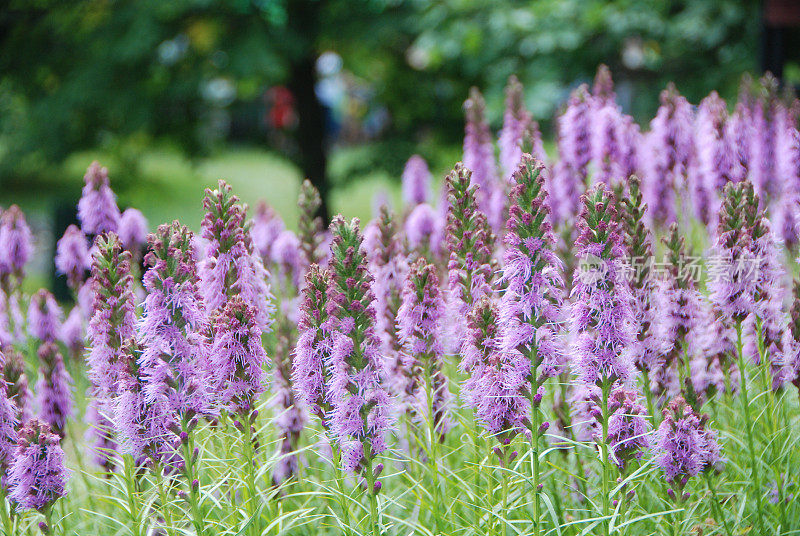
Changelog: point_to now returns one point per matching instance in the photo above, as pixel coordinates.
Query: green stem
(432, 454)
(604, 459)
(648, 394)
(48, 519)
(373, 499)
(535, 470)
(749, 424)
(717, 506)
(341, 498)
(476, 473)
(130, 484)
(250, 475)
(165, 509)
(504, 470)
(198, 517)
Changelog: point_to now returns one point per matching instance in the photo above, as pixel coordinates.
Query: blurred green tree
(123, 73)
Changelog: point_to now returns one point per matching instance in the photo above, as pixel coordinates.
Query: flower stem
(249, 450)
(130, 486)
(748, 423)
(432, 461)
(604, 458)
(337, 475)
(198, 516)
(535, 470)
(373, 499)
(716, 505)
(503, 469)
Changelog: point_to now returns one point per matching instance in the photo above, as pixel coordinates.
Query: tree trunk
(310, 127)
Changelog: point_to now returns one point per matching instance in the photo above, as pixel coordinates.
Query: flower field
(606, 342)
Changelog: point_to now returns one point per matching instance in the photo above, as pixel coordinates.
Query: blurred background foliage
(124, 78)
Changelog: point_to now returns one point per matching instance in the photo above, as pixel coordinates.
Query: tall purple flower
(172, 330)
(420, 331)
(289, 262)
(362, 411)
(44, 316)
(16, 382)
(54, 389)
(266, 227)
(651, 342)
(602, 314)
(389, 267)
(132, 229)
(740, 132)
(37, 477)
(479, 158)
(143, 426)
(530, 308)
(575, 136)
(765, 113)
(311, 365)
(113, 319)
(416, 182)
(424, 231)
(784, 210)
(497, 385)
(469, 241)
(519, 129)
(683, 314)
(628, 427)
(72, 333)
(237, 357)
(97, 208)
(670, 143)
(230, 267)
(72, 256)
(715, 161)
(9, 420)
(16, 247)
(310, 228)
(683, 445)
(608, 129)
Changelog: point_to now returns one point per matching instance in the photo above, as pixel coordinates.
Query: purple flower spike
(362, 411)
(17, 384)
(531, 304)
(54, 389)
(16, 246)
(479, 158)
(388, 264)
(469, 241)
(715, 161)
(602, 314)
(132, 229)
(420, 330)
(520, 132)
(230, 267)
(237, 357)
(37, 477)
(498, 380)
(670, 144)
(72, 332)
(72, 256)
(9, 421)
(172, 329)
(648, 291)
(44, 316)
(266, 227)
(97, 208)
(310, 228)
(113, 319)
(424, 231)
(683, 445)
(416, 182)
(310, 366)
(628, 427)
